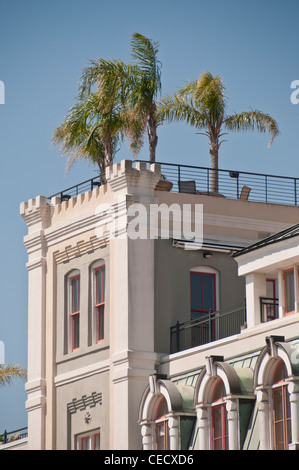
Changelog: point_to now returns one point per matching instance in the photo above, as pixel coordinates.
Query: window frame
(219, 404)
(281, 386)
(74, 315)
(208, 274)
(92, 437)
(161, 421)
(99, 308)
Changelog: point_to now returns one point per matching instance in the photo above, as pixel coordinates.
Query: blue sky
(45, 44)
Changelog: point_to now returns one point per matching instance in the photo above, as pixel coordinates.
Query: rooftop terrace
(256, 187)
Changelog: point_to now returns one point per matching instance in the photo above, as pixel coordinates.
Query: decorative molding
(85, 402)
(82, 373)
(80, 248)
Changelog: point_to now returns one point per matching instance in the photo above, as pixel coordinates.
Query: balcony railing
(13, 436)
(261, 187)
(269, 309)
(210, 327)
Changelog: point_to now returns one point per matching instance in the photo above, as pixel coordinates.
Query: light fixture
(207, 254)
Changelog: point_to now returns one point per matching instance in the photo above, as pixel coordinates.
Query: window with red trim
(281, 409)
(203, 303)
(161, 426)
(203, 294)
(75, 311)
(89, 441)
(219, 419)
(99, 302)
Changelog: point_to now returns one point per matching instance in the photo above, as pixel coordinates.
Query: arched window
(98, 289)
(276, 384)
(218, 391)
(99, 301)
(161, 426)
(73, 310)
(281, 408)
(219, 418)
(162, 406)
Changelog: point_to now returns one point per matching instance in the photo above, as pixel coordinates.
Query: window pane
(217, 429)
(100, 285)
(279, 440)
(208, 293)
(85, 443)
(202, 293)
(160, 436)
(196, 299)
(289, 291)
(100, 323)
(278, 408)
(75, 291)
(97, 441)
(75, 320)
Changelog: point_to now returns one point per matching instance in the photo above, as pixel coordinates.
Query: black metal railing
(233, 184)
(260, 187)
(13, 436)
(80, 188)
(210, 327)
(269, 309)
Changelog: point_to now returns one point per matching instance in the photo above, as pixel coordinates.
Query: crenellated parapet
(36, 213)
(140, 181)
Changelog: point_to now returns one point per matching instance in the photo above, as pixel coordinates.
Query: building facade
(138, 336)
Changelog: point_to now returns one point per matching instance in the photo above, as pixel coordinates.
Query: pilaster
(36, 214)
(132, 301)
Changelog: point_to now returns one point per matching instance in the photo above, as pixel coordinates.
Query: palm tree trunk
(109, 155)
(214, 181)
(152, 136)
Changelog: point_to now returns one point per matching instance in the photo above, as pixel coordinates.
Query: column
(293, 389)
(147, 437)
(233, 424)
(263, 416)
(174, 433)
(203, 428)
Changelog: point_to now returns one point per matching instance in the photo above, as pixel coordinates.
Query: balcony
(210, 327)
(231, 184)
(269, 309)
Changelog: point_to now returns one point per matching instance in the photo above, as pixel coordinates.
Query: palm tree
(137, 85)
(145, 84)
(202, 104)
(92, 129)
(8, 373)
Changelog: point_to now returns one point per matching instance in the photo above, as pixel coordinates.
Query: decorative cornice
(80, 248)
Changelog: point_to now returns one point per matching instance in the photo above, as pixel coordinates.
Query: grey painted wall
(172, 286)
(89, 393)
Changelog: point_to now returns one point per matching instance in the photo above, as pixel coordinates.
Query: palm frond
(10, 372)
(176, 108)
(209, 95)
(144, 51)
(253, 120)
